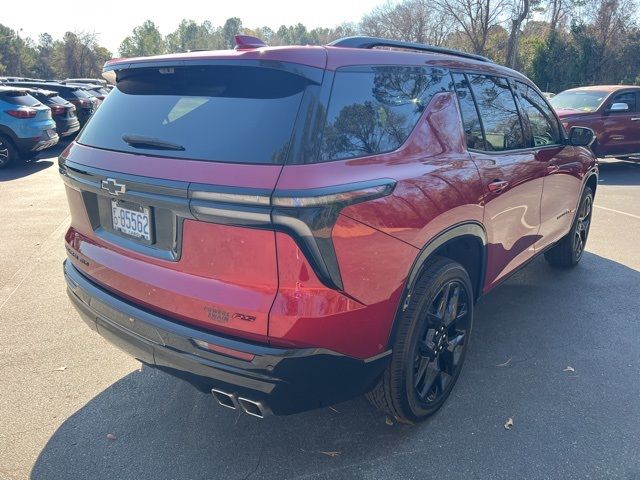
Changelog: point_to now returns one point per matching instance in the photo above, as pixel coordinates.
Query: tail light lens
(57, 110)
(23, 112)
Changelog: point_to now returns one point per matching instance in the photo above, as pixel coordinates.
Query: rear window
(236, 114)
(19, 98)
(56, 100)
(374, 109)
(79, 93)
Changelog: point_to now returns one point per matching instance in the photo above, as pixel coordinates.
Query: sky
(115, 19)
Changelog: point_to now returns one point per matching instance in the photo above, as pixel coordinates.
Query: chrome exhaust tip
(228, 400)
(253, 408)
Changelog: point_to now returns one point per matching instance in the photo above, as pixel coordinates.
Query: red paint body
(226, 274)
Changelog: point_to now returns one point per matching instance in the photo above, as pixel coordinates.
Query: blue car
(26, 126)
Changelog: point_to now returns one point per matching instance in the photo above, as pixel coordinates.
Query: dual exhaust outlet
(234, 402)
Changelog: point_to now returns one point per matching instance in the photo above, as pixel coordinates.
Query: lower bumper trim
(287, 380)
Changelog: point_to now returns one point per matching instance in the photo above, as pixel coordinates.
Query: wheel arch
(9, 134)
(464, 242)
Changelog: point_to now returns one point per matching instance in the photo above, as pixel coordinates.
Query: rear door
(511, 173)
(169, 187)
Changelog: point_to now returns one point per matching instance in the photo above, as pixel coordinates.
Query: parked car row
(35, 113)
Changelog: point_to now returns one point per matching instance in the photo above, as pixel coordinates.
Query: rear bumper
(25, 145)
(66, 126)
(285, 380)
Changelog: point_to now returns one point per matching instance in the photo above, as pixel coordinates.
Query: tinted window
(217, 113)
(627, 97)
(544, 126)
(19, 98)
(80, 94)
(498, 111)
(470, 119)
(374, 109)
(57, 100)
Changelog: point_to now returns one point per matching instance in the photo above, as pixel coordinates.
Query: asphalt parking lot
(74, 407)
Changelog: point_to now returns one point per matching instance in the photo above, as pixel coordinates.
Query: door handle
(497, 186)
(635, 119)
(552, 168)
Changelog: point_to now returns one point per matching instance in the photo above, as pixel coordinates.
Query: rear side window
(235, 114)
(543, 123)
(374, 109)
(498, 111)
(470, 119)
(19, 98)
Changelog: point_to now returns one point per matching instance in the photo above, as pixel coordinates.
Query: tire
(569, 250)
(8, 153)
(427, 355)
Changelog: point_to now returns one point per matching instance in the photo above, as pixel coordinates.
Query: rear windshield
(19, 98)
(56, 99)
(79, 93)
(585, 100)
(236, 114)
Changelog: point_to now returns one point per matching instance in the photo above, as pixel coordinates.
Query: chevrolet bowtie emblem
(113, 187)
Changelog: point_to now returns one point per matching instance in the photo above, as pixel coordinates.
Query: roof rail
(372, 42)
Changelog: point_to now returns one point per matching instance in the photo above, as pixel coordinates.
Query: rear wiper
(138, 141)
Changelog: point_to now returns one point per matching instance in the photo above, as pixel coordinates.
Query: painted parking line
(618, 211)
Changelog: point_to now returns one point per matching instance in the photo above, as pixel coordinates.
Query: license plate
(133, 220)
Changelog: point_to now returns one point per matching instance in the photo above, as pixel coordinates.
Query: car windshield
(583, 100)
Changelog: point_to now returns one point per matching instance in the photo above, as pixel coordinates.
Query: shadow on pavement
(526, 333)
(620, 172)
(44, 159)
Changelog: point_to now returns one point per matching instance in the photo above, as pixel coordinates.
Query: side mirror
(581, 136)
(619, 107)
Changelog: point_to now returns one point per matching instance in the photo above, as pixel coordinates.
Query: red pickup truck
(611, 111)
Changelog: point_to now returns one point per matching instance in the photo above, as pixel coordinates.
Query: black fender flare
(463, 229)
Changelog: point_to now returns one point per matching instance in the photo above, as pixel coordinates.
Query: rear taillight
(81, 103)
(23, 112)
(306, 215)
(57, 110)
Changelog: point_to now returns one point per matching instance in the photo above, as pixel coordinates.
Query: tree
(411, 20)
(231, 28)
(191, 36)
(520, 10)
(145, 40)
(474, 18)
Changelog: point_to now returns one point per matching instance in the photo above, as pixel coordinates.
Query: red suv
(611, 111)
(291, 227)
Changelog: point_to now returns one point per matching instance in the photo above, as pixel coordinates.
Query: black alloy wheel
(441, 344)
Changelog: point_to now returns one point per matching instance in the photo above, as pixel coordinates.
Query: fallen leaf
(331, 454)
(509, 423)
(60, 369)
(569, 369)
(505, 364)
(111, 436)
(389, 421)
